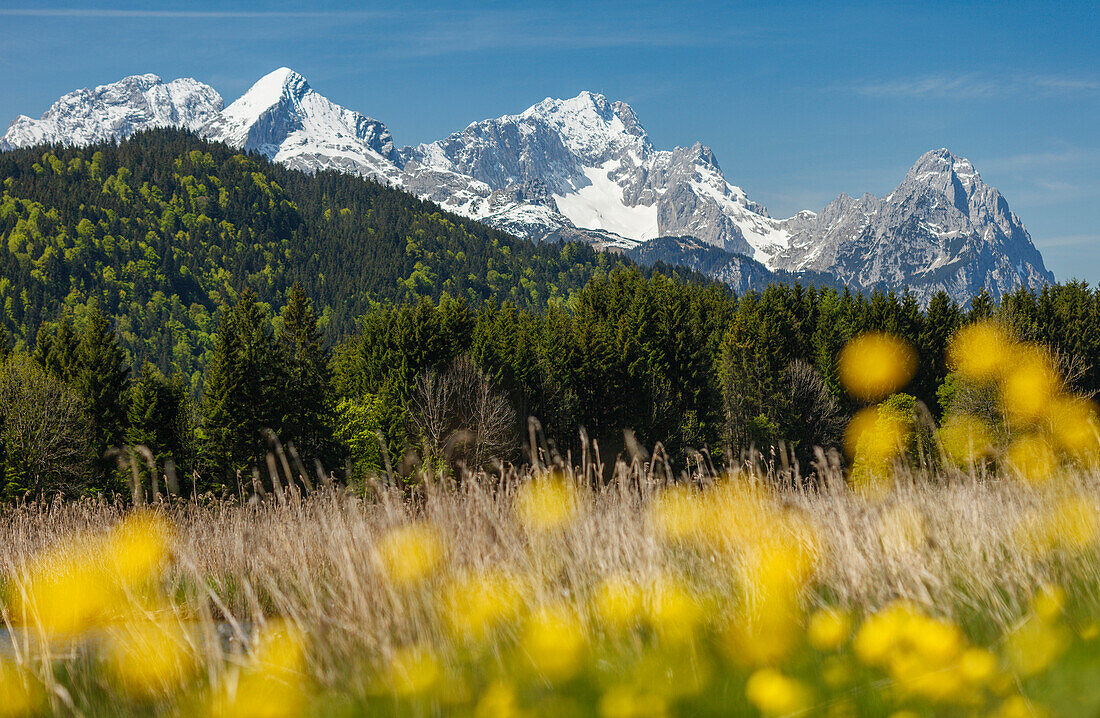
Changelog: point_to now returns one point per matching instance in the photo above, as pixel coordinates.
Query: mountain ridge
(584, 167)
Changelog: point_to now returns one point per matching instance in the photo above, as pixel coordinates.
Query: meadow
(951, 575)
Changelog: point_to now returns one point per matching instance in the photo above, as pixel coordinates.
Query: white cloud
(970, 86)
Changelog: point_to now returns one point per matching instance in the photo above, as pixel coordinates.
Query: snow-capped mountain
(941, 228)
(117, 110)
(283, 118)
(584, 167)
(588, 163)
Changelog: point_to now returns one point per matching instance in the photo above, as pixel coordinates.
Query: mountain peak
(270, 89)
(117, 110)
(944, 162)
(284, 118)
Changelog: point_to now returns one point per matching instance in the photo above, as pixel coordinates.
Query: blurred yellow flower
(1072, 524)
(409, 553)
(619, 603)
(19, 695)
(545, 504)
(774, 694)
(1032, 458)
(272, 685)
(828, 629)
(1049, 602)
(412, 670)
(672, 611)
(554, 642)
(979, 351)
(146, 656)
(1074, 425)
(498, 701)
(1029, 385)
(1075, 523)
(138, 547)
(474, 604)
(678, 514)
(876, 434)
(966, 439)
(876, 364)
(65, 595)
(1020, 707)
(1035, 645)
(627, 702)
(978, 666)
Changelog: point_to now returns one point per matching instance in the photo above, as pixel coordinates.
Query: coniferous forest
(175, 294)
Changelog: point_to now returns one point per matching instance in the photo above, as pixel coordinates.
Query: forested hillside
(171, 293)
(159, 230)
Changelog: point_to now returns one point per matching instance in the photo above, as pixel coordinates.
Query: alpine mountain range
(584, 168)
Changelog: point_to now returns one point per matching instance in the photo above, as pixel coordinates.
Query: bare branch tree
(44, 429)
(460, 416)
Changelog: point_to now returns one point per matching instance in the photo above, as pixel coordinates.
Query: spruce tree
(241, 397)
(306, 395)
(159, 416)
(57, 353)
(103, 380)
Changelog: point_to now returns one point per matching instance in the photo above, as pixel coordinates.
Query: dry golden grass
(378, 577)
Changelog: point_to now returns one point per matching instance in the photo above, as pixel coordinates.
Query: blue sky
(799, 101)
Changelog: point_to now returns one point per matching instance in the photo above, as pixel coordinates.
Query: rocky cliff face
(585, 168)
(941, 228)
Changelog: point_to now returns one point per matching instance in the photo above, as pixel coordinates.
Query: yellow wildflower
(774, 694)
(1029, 385)
(148, 656)
(619, 602)
(876, 364)
(546, 504)
(554, 643)
(19, 695)
(1032, 458)
(627, 702)
(498, 701)
(473, 605)
(979, 351)
(409, 553)
(828, 629)
(1035, 645)
(412, 670)
(272, 684)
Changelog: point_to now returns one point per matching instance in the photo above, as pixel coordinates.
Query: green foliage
(307, 397)
(242, 398)
(361, 424)
(102, 379)
(43, 432)
(160, 417)
(162, 229)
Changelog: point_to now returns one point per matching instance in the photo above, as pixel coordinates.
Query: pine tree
(102, 379)
(306, 395)
(159, 416)
(222, 417)
(58, 352)
(241, 397)
(981, 306)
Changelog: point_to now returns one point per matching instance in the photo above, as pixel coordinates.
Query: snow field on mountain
(600, 205)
